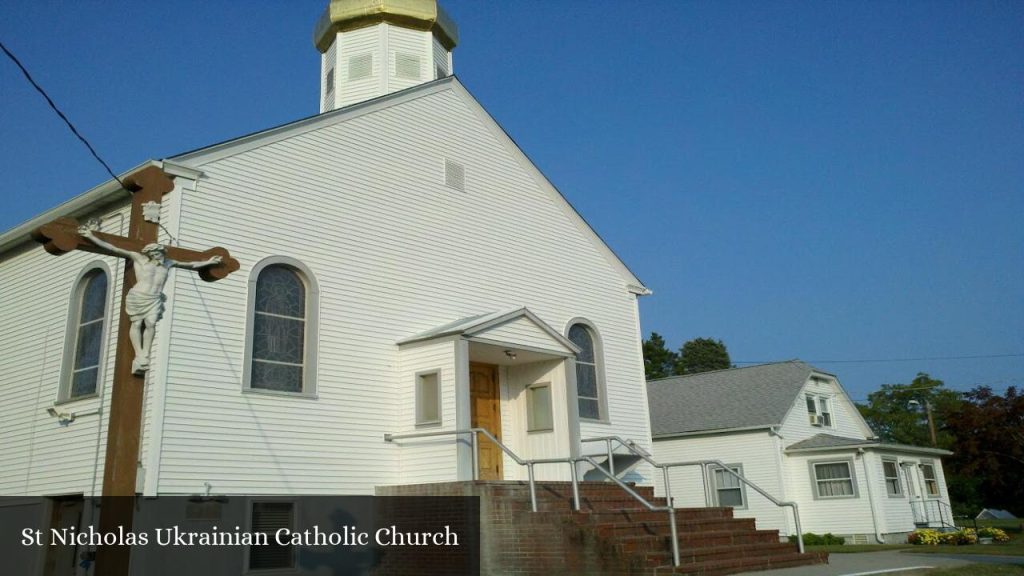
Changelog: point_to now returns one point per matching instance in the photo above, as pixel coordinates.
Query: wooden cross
(61, 236)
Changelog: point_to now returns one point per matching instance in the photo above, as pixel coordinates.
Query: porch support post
(463, 411)
(572, 407)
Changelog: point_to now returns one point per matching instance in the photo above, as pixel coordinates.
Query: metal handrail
(630, 445)
(476, 467)
(924, 505)
(653, 508)
(533, 488)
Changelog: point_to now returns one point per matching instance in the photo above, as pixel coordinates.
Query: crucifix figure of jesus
(144, 304)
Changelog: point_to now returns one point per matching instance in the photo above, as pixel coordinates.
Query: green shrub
(812, 539)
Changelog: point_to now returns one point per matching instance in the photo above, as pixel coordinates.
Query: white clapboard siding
(412, 44)
(840, 515)
(525, 332)
(363, 204)
(427, 459)
(534, 445)
(442, 57)
(757, 452)
(846, 421)
(330, 76)
(358, 43)
(37, 455)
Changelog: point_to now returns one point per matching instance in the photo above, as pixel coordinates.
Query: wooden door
(485, 399)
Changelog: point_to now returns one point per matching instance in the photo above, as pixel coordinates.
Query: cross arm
(61, 236)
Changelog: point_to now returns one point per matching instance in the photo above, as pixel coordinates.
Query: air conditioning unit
(817, 420)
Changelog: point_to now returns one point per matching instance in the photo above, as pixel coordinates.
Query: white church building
(404, 268)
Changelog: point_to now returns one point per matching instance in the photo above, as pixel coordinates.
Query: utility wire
(59, 113)
(879, 360)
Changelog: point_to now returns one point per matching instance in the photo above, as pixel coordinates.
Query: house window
(931, 482)
(891, 471)
(538, 408)
(428, 399)
(833, 479)
(268, 518)
(588, 376)
(819, 410)
(728, 488)
(85, 336)
(281, 350)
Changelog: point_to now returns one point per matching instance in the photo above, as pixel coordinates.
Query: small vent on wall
(454, 175)
(360, 66)
(407, 66)
(329, 82)
(441, 73)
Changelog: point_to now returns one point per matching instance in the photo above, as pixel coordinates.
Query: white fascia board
(873, 447)
(85, 202)
(633, 284)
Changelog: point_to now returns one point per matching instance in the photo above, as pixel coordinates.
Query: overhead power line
(879, 360)
(59, 113)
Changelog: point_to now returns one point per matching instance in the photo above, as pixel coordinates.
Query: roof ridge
(791, 361)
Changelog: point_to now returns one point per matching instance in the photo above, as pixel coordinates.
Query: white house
(792, 430)
(404, 268)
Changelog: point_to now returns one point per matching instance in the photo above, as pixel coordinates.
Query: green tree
(702, 355)
(988, 458)
(898, 412)
(659, 361)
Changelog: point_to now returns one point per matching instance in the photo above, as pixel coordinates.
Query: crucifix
(142, 302)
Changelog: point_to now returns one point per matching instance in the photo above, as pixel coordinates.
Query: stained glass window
(279, 330)
(92, 307)
(587, 385)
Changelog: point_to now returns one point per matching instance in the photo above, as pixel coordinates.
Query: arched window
(86, 328)
(588, 371)
(282, 342)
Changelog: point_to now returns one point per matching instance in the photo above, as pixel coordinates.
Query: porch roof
(486, 328)
(829, 442)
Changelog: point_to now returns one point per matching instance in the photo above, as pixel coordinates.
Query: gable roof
(479, 325)
(753, 397)
(187, 164)
(830, 442)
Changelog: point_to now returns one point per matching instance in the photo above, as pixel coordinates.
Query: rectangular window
(891, 471)
(826, 412)
(428, 398)
(833, 479)
(728, 488)
(931, 483)
(268, 518)
(538, 408)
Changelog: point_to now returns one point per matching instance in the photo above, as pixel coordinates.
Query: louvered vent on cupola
(407, 66)
(454, 175)
(360, 66)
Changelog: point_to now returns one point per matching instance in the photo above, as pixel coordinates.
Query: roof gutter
(86, 202)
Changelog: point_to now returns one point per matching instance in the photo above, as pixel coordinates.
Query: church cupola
(371, 48)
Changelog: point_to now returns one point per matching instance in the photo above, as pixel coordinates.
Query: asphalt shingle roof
(829, 441)
(725, 399)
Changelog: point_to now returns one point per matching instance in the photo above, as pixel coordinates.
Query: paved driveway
(869, 562)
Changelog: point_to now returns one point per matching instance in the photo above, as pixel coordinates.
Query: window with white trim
(891, 472)
(819, 410)
(931, 481)
(267, 518)
(588, 375)
(428, 398)
(85, 336)
(833, 479)
(538, 408)
(728, 490)
(281, 346)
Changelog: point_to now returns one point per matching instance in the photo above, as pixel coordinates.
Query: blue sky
(822, 180)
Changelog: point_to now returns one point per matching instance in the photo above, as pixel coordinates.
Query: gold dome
(342, 15)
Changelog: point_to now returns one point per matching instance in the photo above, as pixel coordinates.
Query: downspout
(777, 440)
(871, 496)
